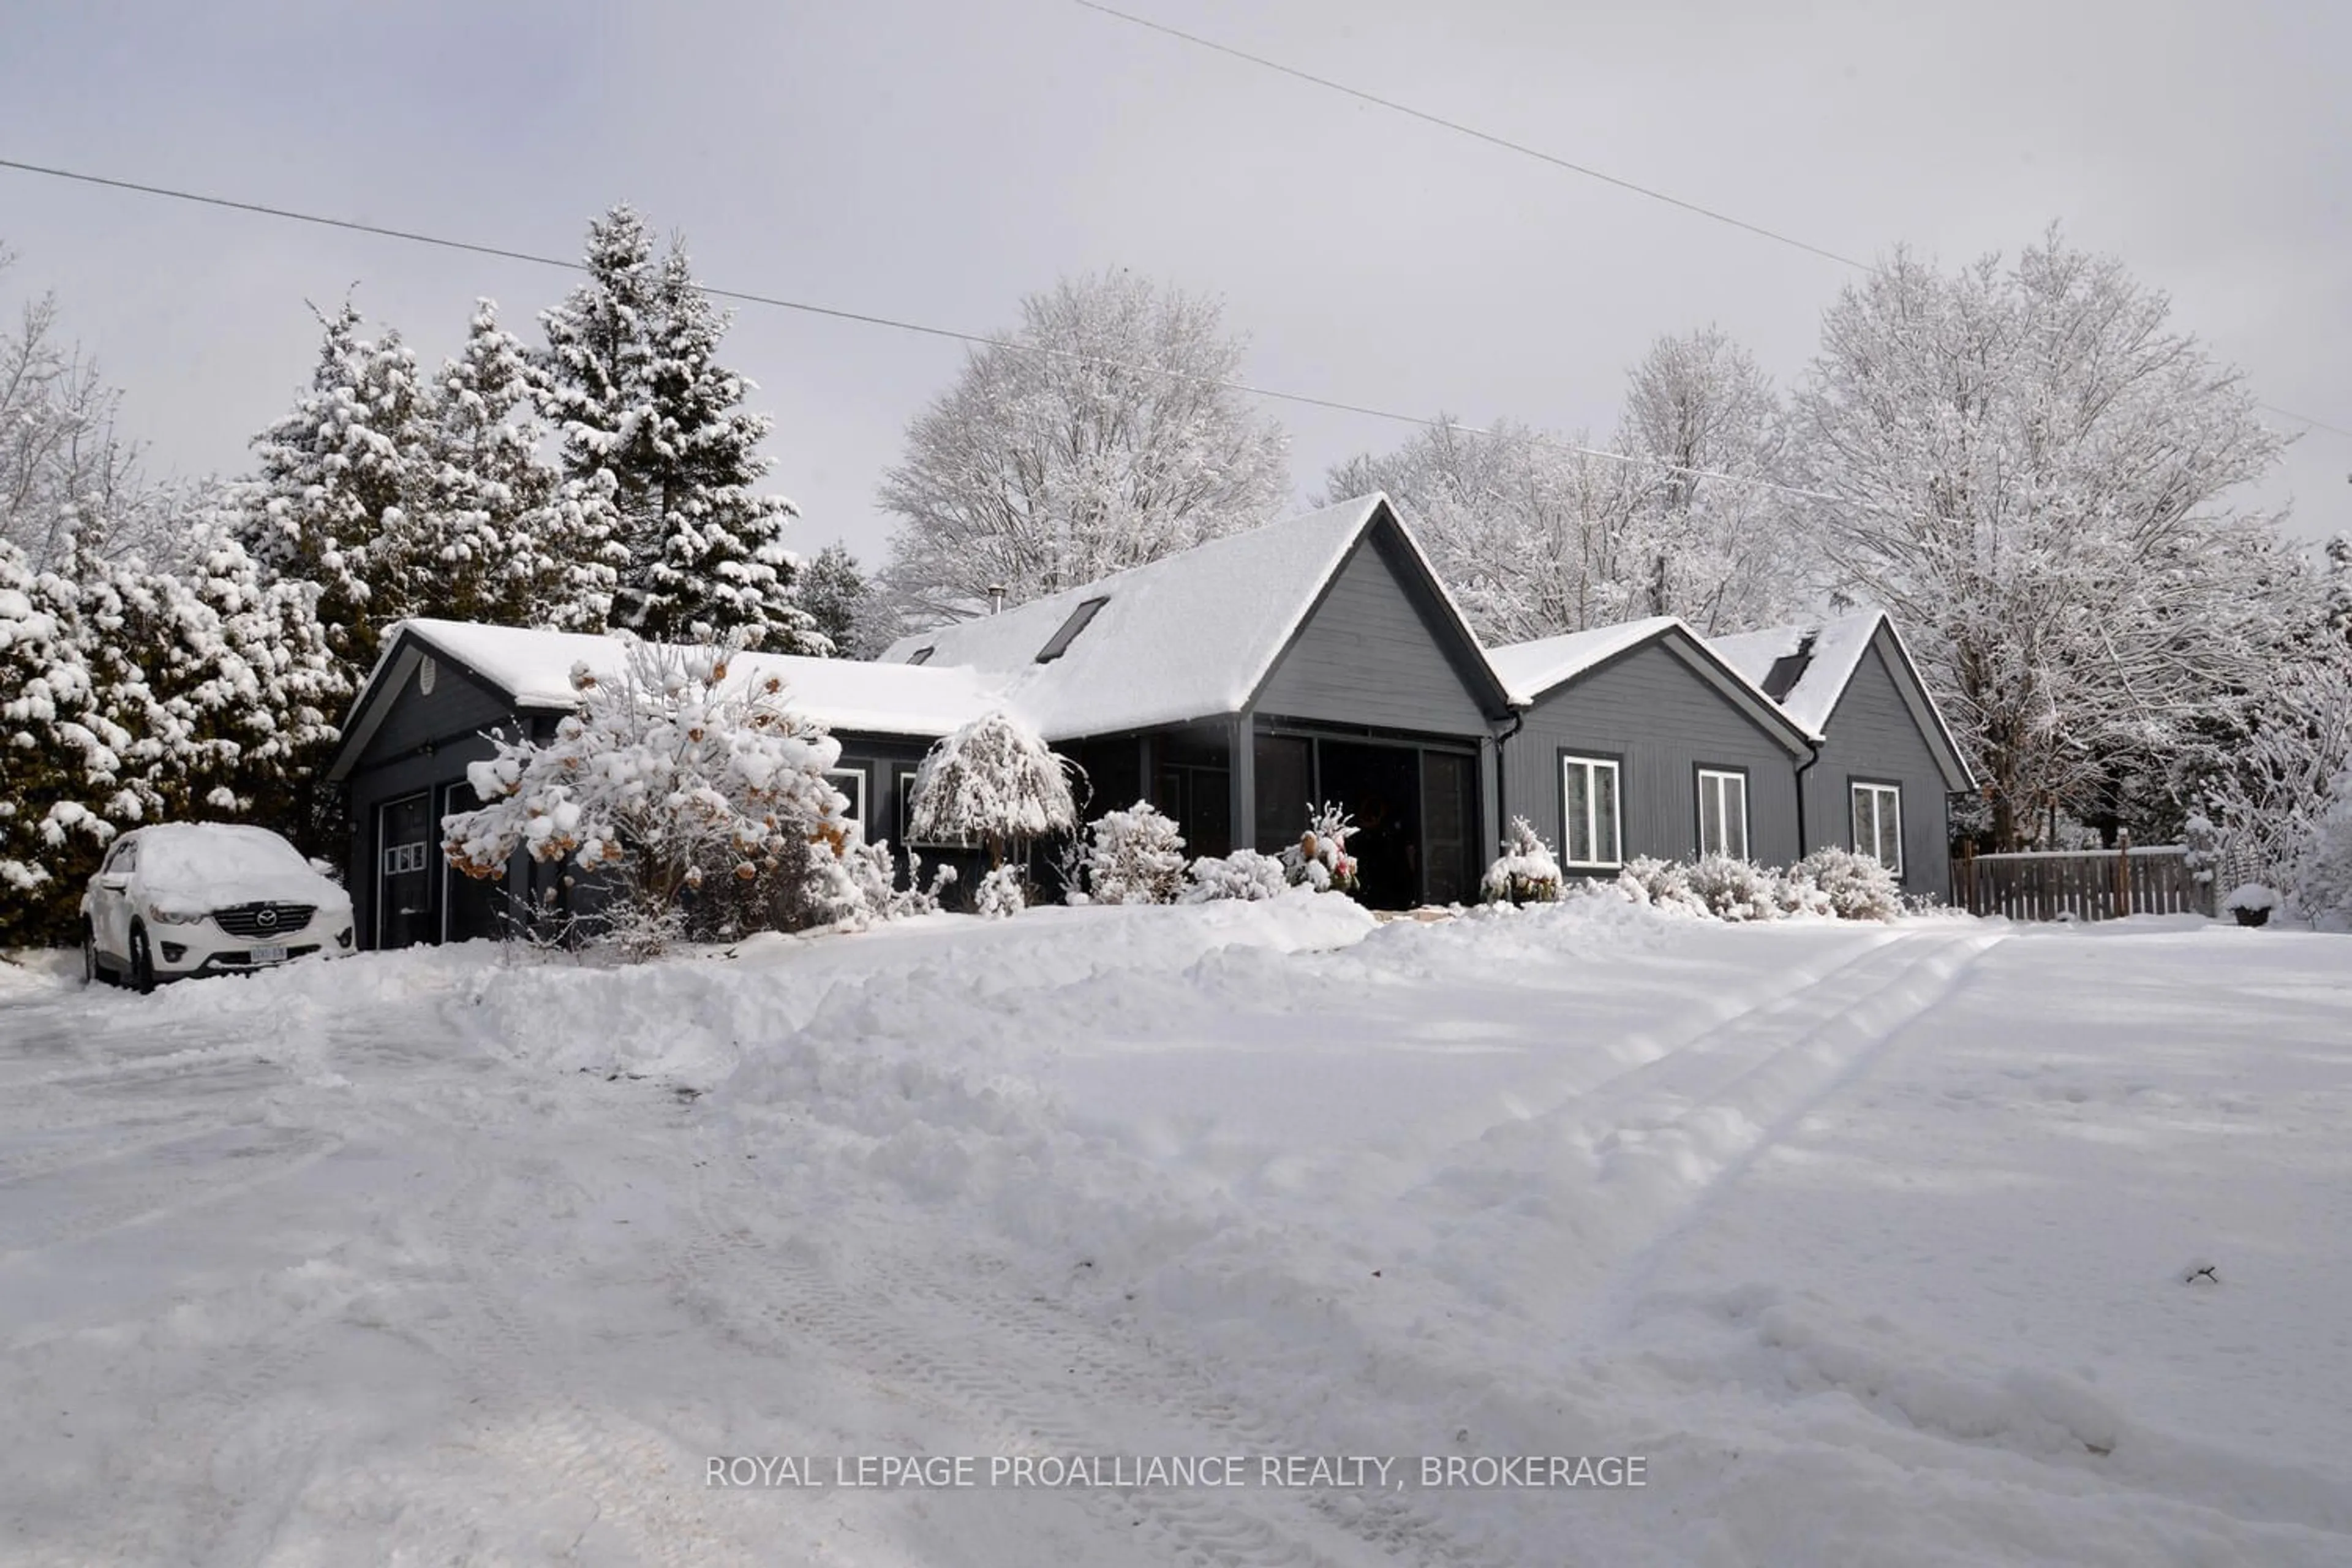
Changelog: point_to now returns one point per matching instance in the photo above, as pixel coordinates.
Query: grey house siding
(1372, 655)
(1663, 722)
(460, 705)
(1871, 735)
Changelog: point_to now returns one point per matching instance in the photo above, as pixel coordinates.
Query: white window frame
(1592, 768)
(850, 782)
(1716, 781)
(1880, 794)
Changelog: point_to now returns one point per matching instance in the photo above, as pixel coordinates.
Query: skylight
(1059, 643)
(1790, 669)
(921, 654)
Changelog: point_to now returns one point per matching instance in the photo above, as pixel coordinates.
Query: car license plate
(266, 956)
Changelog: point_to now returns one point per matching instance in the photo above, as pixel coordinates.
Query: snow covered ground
(1871, 1243)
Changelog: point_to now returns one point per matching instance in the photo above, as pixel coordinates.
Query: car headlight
(162, 916)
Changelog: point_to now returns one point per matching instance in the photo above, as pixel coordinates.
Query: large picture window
(1878, 824)
(1590, 837)
(1723, 813)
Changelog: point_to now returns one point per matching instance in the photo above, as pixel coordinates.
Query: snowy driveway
(1869, 1242)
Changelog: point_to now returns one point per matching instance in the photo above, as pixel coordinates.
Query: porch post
(1242, 773)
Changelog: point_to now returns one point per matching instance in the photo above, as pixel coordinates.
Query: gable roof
(532, 669)
(1187, 636)
(1533, 671)
(1813, 663)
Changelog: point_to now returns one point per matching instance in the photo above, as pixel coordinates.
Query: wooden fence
(2086, 885)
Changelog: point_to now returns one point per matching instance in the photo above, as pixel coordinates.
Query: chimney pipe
(995, 598)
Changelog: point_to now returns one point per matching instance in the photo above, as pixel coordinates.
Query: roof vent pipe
(995, 598)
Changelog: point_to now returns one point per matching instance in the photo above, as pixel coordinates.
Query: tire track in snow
(240, 1159)
(1817, 1064)
(1027, 1373)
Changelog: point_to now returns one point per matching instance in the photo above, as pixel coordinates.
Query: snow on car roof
(535, 667)
(1183, 638)
(1532, 668)
(1836, 653)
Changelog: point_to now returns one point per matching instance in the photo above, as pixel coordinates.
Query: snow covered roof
(1183, 638)
(1806, 667)
(533, 667)
(1531, 670)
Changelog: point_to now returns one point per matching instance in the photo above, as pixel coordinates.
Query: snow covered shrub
(2325, 890)
(1004, 891)
(1244, 875)
(698, 798)
(1527, 872)
(994, 782)
(1856, 887)
(1735, 889)
(1135, 857)
(2252, 903)
(1320, 859)
(1660, 884)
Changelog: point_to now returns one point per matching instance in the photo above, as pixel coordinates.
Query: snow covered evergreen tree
(488, 539)
(2035, 475)
(844, 606)
(328, 504)
(1101, 435)
(666, 459)
(65, 789)
(994, 782)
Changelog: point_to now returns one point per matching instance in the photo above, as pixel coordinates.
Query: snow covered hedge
(675, 785)
(1830, 882)
(1245, 875)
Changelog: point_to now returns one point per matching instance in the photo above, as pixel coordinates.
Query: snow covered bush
(1855, 887)
(1660, 885)
(1004, 891)
(1135, 857)
(2325, 890)
(1244, 875)
(675, 784)
(1527, 872)
(1733, 889)
(1320, 859)
(994, 782)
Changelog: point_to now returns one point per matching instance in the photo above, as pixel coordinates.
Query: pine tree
(487, 522)
(634, 383)
(2338, 588)
(63, 794)
(328, 506)
(842, 604)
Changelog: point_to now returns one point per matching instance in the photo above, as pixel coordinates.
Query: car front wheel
(142, 962)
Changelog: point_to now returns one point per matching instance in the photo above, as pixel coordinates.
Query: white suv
(206, 898)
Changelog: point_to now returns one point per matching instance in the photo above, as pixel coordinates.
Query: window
(124, 857)
(1878, 824)
(1589, 796)
(850, 782)
(922, 655)
(1059, 643)
(1723, 813)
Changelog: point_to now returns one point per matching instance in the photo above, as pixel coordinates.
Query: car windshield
(197, 858)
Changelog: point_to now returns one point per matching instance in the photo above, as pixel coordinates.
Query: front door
(404, 858)
(1449, 826)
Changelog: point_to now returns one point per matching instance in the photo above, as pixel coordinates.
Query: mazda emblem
(267, 917)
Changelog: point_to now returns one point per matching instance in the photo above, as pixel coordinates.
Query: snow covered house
(1887, 763)
(1233, 684)
(1639, 738)
(438, 687)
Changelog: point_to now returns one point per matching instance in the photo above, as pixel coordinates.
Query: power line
(1777, 236)
(415, 236)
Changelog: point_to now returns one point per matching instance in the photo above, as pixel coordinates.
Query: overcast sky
(936, 161)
